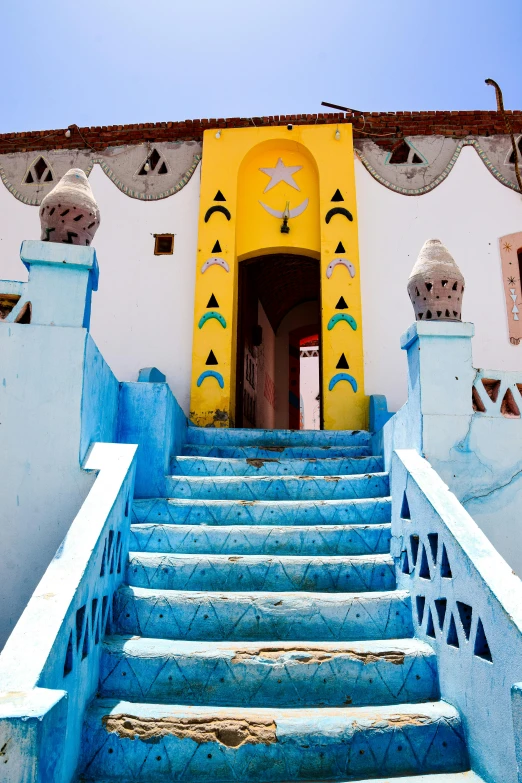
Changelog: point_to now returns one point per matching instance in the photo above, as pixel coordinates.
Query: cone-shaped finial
(436, 284)
(69, 213)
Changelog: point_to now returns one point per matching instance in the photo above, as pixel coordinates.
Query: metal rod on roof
(507, 123)
(340, 108)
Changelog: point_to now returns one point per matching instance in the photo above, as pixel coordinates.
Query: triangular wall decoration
(219, 196)
(36, 172)
(212, 302)
(342, 364)
(153, 164)
(211, 359)
(341, 304)
(340, 248)
(337, 196)
(217, 248)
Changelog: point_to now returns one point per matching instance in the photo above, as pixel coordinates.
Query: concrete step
(281, 573)
(273, 466)
(369, 485)
(228, 436)
(179, 511)
(151, 742)
(284, 674)
(280, 452)
(262, 616)
(261, 539)
(446, 777)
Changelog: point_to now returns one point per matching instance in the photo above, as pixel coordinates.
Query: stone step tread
(262, 512)
(259, 539)
(144, 646)
(246, 488)
(273, 479)
(255, 615)
(445, 777)
(274, 466)
(268, 674)
(328, 573)
(156, 742)
(279, 452)
(247, 437)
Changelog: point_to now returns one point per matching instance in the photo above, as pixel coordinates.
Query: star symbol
(281, 173)
(507, 246)
(511, 280)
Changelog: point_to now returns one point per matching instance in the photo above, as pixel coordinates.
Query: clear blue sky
(108, 62)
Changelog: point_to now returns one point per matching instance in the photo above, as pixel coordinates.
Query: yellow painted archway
(256, 182)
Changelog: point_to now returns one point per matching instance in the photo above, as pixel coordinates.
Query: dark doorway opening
(269, 289)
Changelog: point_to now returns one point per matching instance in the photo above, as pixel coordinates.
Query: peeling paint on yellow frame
(231, 164)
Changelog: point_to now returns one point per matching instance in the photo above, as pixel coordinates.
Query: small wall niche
(163, 244)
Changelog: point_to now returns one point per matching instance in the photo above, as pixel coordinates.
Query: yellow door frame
(254, 183)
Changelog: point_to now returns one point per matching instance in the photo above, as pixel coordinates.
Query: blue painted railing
(51, 297)
(467, 604)
(49, 668)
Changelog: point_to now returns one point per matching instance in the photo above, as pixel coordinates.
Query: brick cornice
(385, 128)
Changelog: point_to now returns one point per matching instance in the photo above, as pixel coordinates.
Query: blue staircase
(260, 635)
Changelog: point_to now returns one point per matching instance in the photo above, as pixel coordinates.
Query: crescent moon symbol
(217, 208)
(344, 261)
(211, 374)
(292, 213)
(338, 211)
(342, 376)
(207, 316)
(216, 260)
(342, 317)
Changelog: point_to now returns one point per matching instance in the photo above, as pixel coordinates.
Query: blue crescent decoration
(211, 374)
(344, 262)
(207, 316)
(215, 260)
(341, 376)
(342, 317)
(217, 208)
(338, 211)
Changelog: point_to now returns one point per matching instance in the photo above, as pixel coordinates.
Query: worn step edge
(328, 573)
(273, 466)
(286, 674)
(261, 539)
(358, 485)
(254, 615)
(262, 512)
(280, 452)
(182, 738)
(445, 777)
(238, 437)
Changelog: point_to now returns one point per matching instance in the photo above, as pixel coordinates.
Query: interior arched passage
(269, 288)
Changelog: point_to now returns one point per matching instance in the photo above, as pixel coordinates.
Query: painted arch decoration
(172, 164)
(438, 155)
(148, 172)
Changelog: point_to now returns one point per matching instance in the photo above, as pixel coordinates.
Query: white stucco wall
(142, 313)
(468, 212)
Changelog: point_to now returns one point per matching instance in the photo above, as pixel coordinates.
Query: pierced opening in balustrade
(508, 407)
(420, 603)
(465, 613)
(452, 638)
(440, 607)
